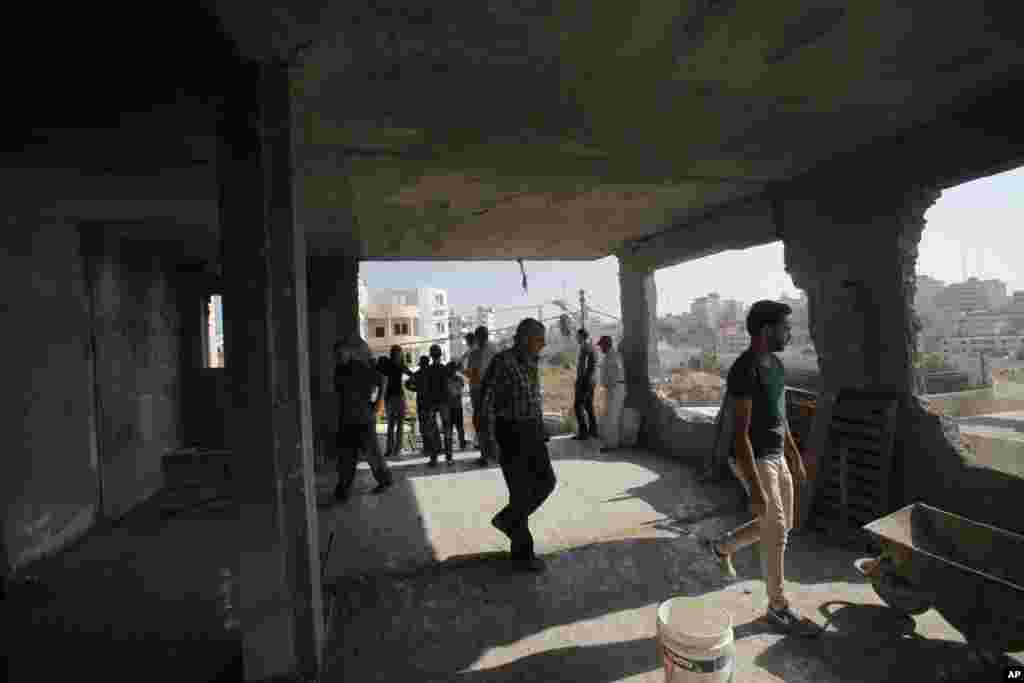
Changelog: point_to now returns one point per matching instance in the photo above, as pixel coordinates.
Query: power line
(607, 315)
(443, 339)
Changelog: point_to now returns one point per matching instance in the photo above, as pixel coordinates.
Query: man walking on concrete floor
(479, 360)
(356, 380)
(586, 369)
(766, 459)
(512, 410)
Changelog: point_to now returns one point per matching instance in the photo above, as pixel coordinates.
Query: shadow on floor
(872, 643)
(430, 624)
(138, 601)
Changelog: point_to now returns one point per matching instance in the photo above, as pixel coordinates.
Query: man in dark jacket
(419, 383)
(357, 383)
(394, 369)
(456, 387)
(436, 404)
(586, 369)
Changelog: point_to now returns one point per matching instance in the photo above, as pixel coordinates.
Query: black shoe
(529, 564)
(384, 485)
(432, 462)
(579, 437)
(501, 526)
(450, 460)
(793, 622)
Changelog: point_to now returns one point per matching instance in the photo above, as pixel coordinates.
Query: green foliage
(710, 362)
(930, 361)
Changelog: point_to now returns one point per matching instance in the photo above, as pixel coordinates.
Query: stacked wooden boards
(855, 475)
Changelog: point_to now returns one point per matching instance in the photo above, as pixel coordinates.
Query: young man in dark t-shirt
(765, 458)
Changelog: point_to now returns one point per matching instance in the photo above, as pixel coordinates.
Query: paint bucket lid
(694, 623)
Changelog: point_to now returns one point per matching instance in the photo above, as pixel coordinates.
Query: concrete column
(639, 343)
(854, 252)
(281, 610)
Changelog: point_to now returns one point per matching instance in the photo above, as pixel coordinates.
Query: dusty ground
(424, 593)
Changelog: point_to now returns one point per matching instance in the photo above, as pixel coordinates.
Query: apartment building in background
(924, 298)
(973, 295)
(421, 315)
(364, 299)
(707, 310)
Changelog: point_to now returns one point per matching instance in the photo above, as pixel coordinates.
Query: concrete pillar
(335, 288)
(269, 430)
(639, 343)
(853, 248)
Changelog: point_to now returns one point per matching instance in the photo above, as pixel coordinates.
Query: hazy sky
(986, 216)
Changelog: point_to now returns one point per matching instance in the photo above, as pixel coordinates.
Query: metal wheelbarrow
(972, 573)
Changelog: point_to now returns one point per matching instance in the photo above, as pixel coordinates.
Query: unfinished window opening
(379, 331)
(213, 346)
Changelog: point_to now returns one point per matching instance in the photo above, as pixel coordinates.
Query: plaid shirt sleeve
(508, 392)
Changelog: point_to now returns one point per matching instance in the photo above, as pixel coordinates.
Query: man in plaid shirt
(511, 406)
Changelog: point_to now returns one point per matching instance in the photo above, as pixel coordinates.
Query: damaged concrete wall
(661, 427)
(49, 487)
(138, 352)
(854, 252)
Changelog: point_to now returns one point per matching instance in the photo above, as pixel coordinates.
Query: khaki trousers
(771, 530)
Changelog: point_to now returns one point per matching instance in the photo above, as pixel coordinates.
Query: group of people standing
(509, 421)
(367, 389)
(612, 378)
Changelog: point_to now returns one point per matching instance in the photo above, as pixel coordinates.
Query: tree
(930, 361)
(710, 362)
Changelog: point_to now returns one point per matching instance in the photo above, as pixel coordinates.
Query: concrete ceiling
(566, 130)
(562, 130)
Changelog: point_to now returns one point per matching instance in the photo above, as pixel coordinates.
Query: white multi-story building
(1002, 343)
(485, 316)
(985, 323)
(431, 323)
(707, 310)
(973, 295)
(732, 311)
(364, 300)
(927, 289)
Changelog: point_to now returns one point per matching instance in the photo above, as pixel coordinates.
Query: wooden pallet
(854, 485)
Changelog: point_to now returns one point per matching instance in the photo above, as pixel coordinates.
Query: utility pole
(583, 310)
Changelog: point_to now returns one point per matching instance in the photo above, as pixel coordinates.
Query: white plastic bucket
(696, 642)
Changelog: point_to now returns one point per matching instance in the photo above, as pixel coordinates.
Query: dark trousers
(435, 440)
(353, 441)
(584, 406)
(526, 466)
(396, 423)
(458, 420)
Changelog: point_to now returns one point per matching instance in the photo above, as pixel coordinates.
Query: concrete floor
(424, 593)
(137, 602)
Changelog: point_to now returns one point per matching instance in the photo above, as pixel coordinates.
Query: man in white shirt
(478, 362)
(613, 380)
